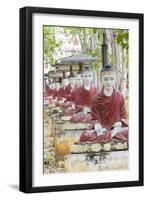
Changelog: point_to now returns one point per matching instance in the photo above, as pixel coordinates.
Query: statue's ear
(115, 86)
(100, 86)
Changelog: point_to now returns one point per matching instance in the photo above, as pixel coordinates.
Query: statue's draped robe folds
(48, 90)
(63, 93)
(107, 110)
(82, 97)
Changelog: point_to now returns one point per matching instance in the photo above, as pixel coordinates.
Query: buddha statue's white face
(65, 82)
(108, 80)
(72, 81)
(79, 80)
(53, 86)
(57, 86)
(87, 77)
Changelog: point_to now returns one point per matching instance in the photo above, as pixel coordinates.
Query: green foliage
(50, 43)
(122, 38)
(85, 37)
(123, 41)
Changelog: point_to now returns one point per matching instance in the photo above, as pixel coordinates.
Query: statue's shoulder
(119, 95)
(77, 88)
(96, 96)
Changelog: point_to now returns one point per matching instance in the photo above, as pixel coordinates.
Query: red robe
(108, 110)
(49, 91)
(55, 94)
(82, 97)
(62, 93)
(69, 90)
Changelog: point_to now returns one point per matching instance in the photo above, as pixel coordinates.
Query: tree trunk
(94, 41)
(105, 59)
(123, 77)
(112, 47)
(116, 59)
(81, 42)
